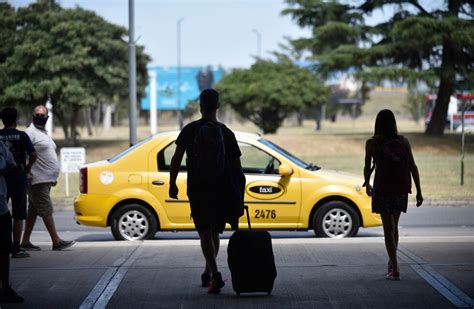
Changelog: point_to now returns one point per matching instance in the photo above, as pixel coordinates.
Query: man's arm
(174, 169)
(31, 160)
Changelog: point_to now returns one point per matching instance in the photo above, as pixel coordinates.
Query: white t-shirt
(7, 161)
(46, 167)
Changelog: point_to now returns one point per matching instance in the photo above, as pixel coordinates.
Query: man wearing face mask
(44, 174)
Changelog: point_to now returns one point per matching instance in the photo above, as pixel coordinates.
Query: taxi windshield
(123, 153)
(288, 155)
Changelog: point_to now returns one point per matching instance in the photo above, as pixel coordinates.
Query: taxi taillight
(83, 180)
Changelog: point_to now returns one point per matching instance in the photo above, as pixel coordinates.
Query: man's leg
(5, 270)
(6, 247)
(51, 227)
(208, 250)
(216, 243)
(30, 218)
(19, 213)
(7, 295)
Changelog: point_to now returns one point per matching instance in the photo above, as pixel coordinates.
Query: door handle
(158, 182)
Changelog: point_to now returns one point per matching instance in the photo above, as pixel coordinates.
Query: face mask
(40, 121)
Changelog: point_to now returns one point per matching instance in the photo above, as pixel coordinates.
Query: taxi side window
(164, 158)
(256, 161)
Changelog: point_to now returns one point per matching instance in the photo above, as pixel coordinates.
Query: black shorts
(6, 242)
(207, 214)
(17, 194)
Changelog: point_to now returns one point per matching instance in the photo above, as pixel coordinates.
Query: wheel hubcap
(337, 223)
(133, 225)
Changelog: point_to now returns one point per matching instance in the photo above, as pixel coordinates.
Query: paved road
(423, 221)
(436, 254)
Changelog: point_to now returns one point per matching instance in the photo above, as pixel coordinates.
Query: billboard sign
(165, 79)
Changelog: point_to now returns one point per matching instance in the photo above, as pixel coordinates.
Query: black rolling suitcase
(251, 260)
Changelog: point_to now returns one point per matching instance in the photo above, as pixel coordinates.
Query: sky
(213, 32)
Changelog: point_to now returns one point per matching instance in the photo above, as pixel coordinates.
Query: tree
(414, 44)
(269, 91)
(72, 57)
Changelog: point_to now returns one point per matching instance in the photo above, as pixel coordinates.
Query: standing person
(394, 165)
(209, 146)
(19, 145)
(44, 174)
(7, 294)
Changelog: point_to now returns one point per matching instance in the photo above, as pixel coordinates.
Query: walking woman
(394, 165)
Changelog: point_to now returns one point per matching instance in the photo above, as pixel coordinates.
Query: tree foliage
(71, 56)
(414, 44)
(269, 91)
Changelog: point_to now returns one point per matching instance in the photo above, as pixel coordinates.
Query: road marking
(98, 289)
(445, 287)
(105, 288)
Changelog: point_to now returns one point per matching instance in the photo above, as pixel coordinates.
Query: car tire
(133, 222)
(336, 219)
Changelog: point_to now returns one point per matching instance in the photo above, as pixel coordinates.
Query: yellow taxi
(129, 192)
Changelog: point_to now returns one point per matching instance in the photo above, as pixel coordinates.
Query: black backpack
(208, 164)
(393, 167)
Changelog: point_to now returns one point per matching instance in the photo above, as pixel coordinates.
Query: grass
(340, 146)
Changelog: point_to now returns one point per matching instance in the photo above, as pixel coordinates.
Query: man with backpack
(212, 150)
(21, 147)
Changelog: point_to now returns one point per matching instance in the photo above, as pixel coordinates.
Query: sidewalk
(437, 272)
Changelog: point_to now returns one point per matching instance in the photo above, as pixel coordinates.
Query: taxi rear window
(128, 150)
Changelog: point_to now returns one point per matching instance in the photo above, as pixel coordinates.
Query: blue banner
(192, 81)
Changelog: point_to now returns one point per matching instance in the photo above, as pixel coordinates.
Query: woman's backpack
(392, 176)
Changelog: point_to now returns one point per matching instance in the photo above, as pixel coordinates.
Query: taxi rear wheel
(336, 219)
(133, 222)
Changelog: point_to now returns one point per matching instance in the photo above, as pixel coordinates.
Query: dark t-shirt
(188, 134)
(19, 144)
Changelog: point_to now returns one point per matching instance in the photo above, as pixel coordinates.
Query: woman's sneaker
(216, 284)
(393, 275)
(205, 280)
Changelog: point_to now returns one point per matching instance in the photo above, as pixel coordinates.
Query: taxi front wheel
(336, 219)
(133, 222)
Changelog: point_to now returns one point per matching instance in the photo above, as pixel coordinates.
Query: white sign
(72, 158)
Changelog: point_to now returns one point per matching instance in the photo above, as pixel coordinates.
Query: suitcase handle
(248, 216)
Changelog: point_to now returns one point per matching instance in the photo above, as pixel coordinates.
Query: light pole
(259, 42)
(132, 73)
(180, 111)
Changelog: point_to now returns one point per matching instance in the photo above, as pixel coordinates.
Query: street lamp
(259, 42)
(132, 73)
(180, 111)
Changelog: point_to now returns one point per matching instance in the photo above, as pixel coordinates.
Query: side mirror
(285, 170)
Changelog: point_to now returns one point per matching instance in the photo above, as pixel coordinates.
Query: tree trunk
(446, 82)
(60, 116)
(445, 90)
(88, 121)
(75, 110)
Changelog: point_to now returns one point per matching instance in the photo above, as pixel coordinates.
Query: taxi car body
(129, 192)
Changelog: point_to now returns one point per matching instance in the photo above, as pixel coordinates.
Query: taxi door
(177, 211)
(274, 201)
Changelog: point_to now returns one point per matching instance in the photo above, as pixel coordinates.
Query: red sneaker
(393, 275)
(389, 268)
(216, 284)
